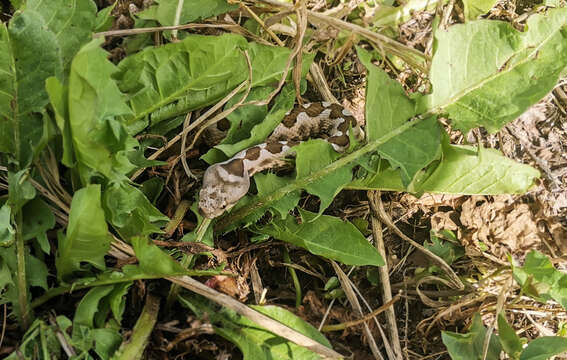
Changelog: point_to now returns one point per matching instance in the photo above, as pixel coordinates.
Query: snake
(225, 183)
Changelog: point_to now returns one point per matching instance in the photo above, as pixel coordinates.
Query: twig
(183, 148)
(373, 199)
(321, 83)
(365, 318)
(294, 277)
(161, 28)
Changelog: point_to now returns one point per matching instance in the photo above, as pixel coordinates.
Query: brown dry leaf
(503, 225)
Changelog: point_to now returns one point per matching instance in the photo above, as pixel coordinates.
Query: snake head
(223, 185)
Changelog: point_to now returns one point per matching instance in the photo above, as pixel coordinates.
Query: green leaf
(20, 190)
(447, 250)
(475, 8)
(486, 73)
(29, 54)
(37, 220)
(259, 132)
(268, 183)
(87, 238)
(158, 76)
(511, 342)
(314, 155)
(104, 18)
(36, 272)
(7, 231)
(540, 279)
(194, 10)
(72, 22)
(58, 97)
(388, 107)
(392, 16)
(544, 348)
(470, 346)
(463, 170)
(325, 236)
(100, 140)
(153, 260)
(254, 341)
(129, 210)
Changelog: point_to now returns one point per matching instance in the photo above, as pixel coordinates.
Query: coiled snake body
(227, 182)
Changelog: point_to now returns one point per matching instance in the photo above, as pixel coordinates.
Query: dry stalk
(373, 198)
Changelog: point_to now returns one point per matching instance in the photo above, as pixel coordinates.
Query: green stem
(23, 301)
(294, 277)
(267, 200)
(177, 217)
(135, 346)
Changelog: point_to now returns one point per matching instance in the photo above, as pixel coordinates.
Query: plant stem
(294, 277)
(23, 304)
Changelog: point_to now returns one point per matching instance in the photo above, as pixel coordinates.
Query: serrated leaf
(325, 236)
(462, 170)
(544, 348)
(100, 140)
(158, 76)
(486, 73)
(130, 211)
(470, 346)
(87, 238)
(254, 341)
(544, 280)
(388, 107)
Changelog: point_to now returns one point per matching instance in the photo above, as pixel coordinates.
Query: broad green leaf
(29, 54)
(130, 211)
(463, 170)
(36, 272)
(486, 73)
(470, 346)
(89, 306)
(71, 21)
(87, 238)
(388, 107)
(475, 8)
(314, 155)
(540, 279)
(254, 341)
(325, 236)
(153, 260)
(544, 348)
(158, 76)
(510, 341)
(100, 140)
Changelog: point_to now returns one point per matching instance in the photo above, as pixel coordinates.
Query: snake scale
(227, 182)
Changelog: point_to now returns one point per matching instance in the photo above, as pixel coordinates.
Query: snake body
(227, 182)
